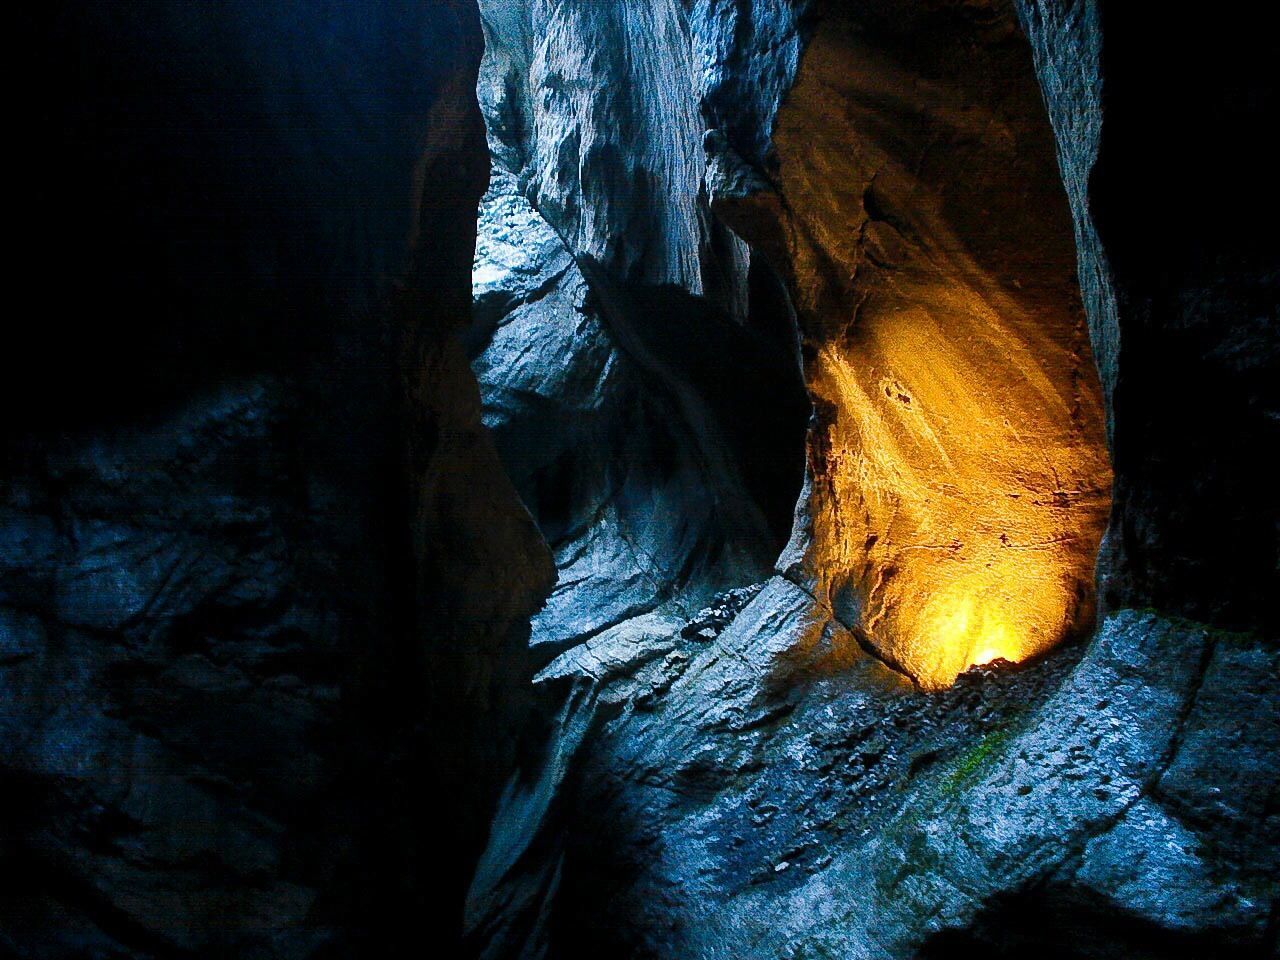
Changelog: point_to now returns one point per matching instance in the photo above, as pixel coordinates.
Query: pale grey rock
(609, 302)
(1150, 865)
(617, 652)
(1014, 808)
(748, 54)
(616, 166)
(513, 891)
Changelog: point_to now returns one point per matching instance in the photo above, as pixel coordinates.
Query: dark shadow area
(738, 387)
(1064, 923)
(1186, 202)
(259, 618)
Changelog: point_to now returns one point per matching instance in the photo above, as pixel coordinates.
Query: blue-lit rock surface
(756, 781)
(412, 548)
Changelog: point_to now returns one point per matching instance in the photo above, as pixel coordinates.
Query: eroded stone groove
(639, 372)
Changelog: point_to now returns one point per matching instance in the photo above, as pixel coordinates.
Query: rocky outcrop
(264, 586)
(751, 803)
(769, 778)
(638, 371)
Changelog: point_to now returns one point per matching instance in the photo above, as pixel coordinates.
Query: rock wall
(264, 586)
(638, 370)
(958, 469)
(1182, 293)
(761, 781)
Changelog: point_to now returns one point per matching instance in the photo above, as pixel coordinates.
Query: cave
(961, 482)
(510, 479)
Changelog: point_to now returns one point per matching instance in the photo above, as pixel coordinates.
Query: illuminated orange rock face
(960, 474)
(962, 506)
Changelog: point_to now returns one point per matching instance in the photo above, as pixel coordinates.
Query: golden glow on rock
(959, 476)
(969, 482)
(974, 622)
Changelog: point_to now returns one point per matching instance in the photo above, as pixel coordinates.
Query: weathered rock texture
(264, 587)
(639, 373)
(762, 781)
(958, 470)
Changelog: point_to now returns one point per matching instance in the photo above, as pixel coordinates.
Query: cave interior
(532, 479)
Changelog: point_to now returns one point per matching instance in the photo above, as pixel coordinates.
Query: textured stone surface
(639, 375)
(774, 791)
(615, 167)
(757, 781)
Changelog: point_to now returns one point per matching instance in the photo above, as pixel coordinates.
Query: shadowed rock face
(1182, 293)
(264, 586)
(761, 781)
